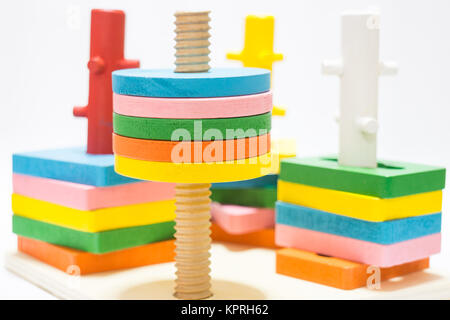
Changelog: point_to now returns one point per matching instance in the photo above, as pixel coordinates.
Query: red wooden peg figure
(106, 55)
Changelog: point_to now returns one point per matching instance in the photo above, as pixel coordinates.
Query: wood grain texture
(193, 241)
(192, 41)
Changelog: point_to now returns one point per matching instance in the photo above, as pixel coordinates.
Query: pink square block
(241, 220)
(358, 250)
(87, 197)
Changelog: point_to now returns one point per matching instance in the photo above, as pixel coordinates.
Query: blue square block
(70, 164)
(269, 180)
(387, 232)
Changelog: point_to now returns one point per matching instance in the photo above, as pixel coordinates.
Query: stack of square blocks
(71, 210)
(244, 211)
(388, 217)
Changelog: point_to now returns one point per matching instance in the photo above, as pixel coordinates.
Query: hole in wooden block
(385, 166)
(397, 279)
(380, 164)
(323, 255)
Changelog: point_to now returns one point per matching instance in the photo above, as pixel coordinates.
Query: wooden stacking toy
(192, 126)
(71, 210)
(355, 209)
(247, 207)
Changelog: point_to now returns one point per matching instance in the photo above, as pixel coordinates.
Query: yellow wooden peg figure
(258, 47)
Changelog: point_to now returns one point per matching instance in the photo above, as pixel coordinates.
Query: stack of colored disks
(189, 127)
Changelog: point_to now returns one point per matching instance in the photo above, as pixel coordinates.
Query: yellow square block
(94, 220)
(360, 206)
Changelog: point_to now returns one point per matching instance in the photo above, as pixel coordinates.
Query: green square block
(250, 197)
(389, 180)
(98, 242)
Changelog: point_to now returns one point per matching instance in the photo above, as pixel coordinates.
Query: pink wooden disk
(356, 250)
(193, 108)
(241, 220)
(86, 197)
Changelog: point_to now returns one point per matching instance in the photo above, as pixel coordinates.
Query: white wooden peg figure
(359, 69)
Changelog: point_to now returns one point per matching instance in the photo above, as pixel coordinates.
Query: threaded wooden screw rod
(193, 241)
(192, 222)
(197, 83)
(192, 29)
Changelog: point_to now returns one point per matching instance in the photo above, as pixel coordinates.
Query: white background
(44, 48)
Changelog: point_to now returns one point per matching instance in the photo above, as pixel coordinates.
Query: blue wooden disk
(165, 83)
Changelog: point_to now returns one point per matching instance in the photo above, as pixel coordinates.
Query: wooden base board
(239, 272)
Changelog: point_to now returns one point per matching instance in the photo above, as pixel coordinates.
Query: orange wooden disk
(337, 273)
(263, 238)
(191, 151)
(66, 259)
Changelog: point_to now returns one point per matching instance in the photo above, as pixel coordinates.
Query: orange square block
(334, 272)
(64, 258)
(263, 238)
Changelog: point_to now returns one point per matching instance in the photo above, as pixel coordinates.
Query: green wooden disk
(389, 180)
(98, 242)
(251, 197)
(192, 129)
